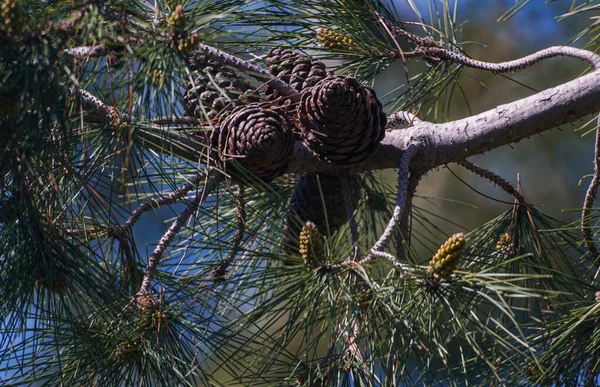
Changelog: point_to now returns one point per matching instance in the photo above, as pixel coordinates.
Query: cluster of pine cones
(340, 120)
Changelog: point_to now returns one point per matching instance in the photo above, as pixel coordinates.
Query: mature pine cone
(210, 81)
(307, 205)
(341, 120)
(258, 138)
(295, 69)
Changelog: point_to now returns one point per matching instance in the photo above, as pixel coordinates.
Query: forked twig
(156, 256)
(162, 200)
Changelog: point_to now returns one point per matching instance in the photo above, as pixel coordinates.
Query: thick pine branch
(452, 141)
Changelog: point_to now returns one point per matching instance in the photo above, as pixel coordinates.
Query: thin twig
(491, 176)
(513, 65)
(403, 267)
(384, 240)
(403, 118)
(352, 347)
(174, 120)
(85, 52)
(91, 102)
(404, 229)
(169, 235)
(240, 208)
(162, 200)
(350, 213)
(404, 63)
(590, 197)
(427, 47)
(215, 54)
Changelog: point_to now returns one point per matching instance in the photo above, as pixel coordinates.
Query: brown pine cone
(341, 120)
(260, 139)
(210, 80)
(295, 69)
(281, 62)
(307, 205)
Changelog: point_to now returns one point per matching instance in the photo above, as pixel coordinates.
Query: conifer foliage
(286, 258)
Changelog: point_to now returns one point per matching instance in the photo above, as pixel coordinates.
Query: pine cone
(306, 205)
(341, 120)
(258, 138)
(295, 69)
(444, 262)
(210, 80)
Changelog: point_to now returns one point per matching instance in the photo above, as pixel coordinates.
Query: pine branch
(456, 140)
(445, 143)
